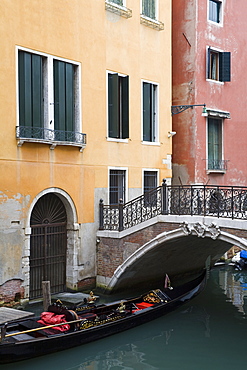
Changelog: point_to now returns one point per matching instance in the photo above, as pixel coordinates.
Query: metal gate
(48, 245)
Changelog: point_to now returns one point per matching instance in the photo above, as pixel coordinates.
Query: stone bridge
(180, 246)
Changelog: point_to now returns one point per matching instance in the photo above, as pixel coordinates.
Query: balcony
(216, 166)
(50, 137)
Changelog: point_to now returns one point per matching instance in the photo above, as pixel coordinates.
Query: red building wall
(193, 33)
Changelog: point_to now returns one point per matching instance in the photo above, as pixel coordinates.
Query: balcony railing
(217, 165)
(48, 136)
(203, 200)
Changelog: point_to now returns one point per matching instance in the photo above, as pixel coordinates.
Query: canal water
(207, 333)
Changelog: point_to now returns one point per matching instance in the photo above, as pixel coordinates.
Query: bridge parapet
(193, 200)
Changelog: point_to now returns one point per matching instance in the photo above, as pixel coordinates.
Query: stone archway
(48, 245)
(70, 243)
(201, 244)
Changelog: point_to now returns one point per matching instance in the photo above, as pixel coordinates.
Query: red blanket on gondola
(50, 318)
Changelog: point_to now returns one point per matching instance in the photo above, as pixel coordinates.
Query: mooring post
(3, 331)
(101, 214)
(46, 288)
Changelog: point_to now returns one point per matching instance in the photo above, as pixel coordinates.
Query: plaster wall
(193, 33)
(97, 40)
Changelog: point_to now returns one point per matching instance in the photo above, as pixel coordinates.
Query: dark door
(48, 245)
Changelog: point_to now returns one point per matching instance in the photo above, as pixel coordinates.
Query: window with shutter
(118, 106)
(149, 112)
(37, 95)
(219, 65)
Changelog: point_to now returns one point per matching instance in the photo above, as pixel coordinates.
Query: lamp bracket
(176, 109)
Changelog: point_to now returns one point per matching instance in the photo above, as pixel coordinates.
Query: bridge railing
(203, 200)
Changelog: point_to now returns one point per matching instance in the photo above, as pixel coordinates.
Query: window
(219, 65)
(49, 98)
(118, 106)
(215, 145)
(150, 180)
(149, 111)
(118, 2)
(150, 183)
(149, 8)
(215, 11)
(117, 186)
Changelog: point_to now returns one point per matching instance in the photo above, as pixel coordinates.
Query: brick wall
(11, 290)
(112, 252)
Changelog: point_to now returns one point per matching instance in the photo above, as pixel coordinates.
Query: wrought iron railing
(203, 200)
(217, 164)
(45, 134)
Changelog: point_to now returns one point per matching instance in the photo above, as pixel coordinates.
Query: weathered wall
(84, 32)
(192, 35)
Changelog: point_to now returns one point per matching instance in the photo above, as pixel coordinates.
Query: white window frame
(218, 51)
(150, 170)
(156, 142)
(208, 170)
(220, 23)
(107, 124)
(126, 181)
(49, 88)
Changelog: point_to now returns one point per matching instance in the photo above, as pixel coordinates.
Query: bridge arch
(170, 250)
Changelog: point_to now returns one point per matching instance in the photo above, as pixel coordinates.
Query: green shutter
(113, 106)
(146, 111)
(59, 96)
(30, 91)
(25, 89)
(125, 107)
(69, 96)
(37, 91)
(225, 66)
(153, 112)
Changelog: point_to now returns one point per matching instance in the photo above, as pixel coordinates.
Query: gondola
(33, 337)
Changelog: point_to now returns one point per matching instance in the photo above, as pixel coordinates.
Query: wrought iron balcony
(217, 165)
(52, 137)
(202, 200)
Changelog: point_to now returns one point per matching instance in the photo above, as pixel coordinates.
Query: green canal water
(207, 333)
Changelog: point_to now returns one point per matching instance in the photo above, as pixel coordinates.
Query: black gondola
(29, 338)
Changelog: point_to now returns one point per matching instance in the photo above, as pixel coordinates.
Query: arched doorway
(48, 245)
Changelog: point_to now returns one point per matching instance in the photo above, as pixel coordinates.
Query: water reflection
(208, 332)
(234, 285)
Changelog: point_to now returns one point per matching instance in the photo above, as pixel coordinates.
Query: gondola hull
(27, 346)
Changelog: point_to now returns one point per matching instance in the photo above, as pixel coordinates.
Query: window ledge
(33, 135)
(216, 171)
(118, 9)
(218, 113)
(152, 23)
(152, 143)
(116, 140)
(215, 81)
(52, 144)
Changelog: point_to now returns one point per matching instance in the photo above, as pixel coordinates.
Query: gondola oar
(42, 328)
